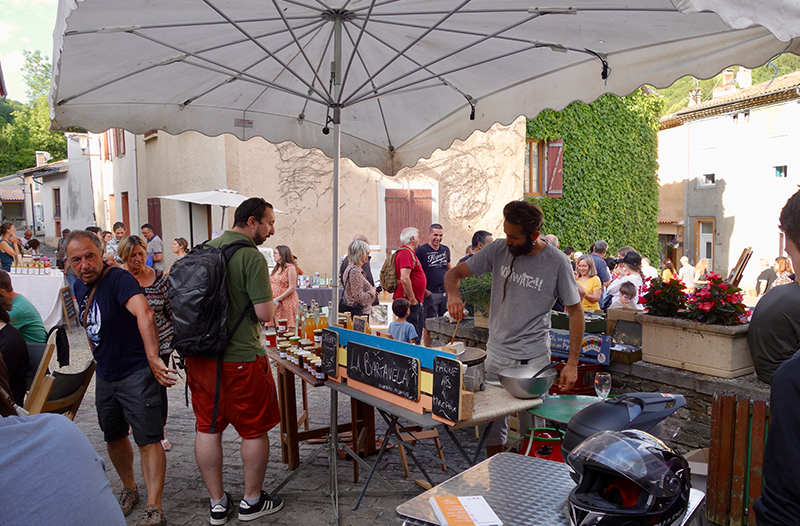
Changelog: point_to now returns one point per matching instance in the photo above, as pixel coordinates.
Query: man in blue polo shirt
(121, 328)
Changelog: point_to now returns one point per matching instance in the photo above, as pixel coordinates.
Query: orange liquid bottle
(323, 320)
(310, 326)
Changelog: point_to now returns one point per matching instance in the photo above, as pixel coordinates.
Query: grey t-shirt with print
(519, 325)
(156, 246)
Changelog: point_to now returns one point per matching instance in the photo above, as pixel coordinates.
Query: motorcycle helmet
(628, 478)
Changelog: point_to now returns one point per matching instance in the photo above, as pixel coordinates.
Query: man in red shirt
(410, 276)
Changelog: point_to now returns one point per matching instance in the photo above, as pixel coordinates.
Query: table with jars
(296, 355)
(41, 285)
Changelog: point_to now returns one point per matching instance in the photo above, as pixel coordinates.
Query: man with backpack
(246, 390)
(411, 280)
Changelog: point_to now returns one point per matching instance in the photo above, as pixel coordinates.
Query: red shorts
(247, 398)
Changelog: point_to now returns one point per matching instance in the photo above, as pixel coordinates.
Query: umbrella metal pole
(337, 153)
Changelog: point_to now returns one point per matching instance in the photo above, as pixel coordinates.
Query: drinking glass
(602, 385)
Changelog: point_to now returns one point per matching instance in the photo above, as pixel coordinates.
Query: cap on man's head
(65, 231)
(632, 258)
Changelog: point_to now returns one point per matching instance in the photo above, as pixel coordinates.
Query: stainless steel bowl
(517, 381)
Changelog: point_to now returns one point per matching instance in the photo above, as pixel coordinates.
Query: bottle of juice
(323, 320)
(310, 325)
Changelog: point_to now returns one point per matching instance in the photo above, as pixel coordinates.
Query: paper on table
(464, 511)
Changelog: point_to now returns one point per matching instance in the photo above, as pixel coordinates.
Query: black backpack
(198, 296)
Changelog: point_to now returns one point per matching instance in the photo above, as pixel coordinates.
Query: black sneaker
(219, 513)
(266, 505)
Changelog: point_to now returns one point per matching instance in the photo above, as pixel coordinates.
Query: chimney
(694, 97)
(727, 84)
(744, 78)
(42, 158)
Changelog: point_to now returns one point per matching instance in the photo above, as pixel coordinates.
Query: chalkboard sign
(330, 351)
(391, 372)
(446, 388)
(360, 323)
(68, 307)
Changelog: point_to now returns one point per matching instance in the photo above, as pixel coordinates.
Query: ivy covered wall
(609, 164)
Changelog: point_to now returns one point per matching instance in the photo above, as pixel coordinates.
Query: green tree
(36, 72)
(28, 128)
(7, 108)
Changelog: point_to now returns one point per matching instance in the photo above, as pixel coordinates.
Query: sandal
(166, 445)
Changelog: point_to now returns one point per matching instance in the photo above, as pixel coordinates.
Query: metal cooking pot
(475, 375)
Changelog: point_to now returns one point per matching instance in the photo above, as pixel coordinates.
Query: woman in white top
(630, 270)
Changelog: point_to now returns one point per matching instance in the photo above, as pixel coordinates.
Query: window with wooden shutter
(406, 208)
(534, 158)
(555, 178)
(154, 214)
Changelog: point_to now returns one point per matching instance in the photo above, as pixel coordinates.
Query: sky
(24, 24)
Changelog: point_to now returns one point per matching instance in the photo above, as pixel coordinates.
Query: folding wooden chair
(60, 392)
(39, 355)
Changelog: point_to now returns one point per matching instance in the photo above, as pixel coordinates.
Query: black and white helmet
(628, 478)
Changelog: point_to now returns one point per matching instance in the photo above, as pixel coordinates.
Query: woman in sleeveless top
(284, 281)
(9, 249)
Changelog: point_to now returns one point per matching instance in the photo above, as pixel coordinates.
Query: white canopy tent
(383, 83)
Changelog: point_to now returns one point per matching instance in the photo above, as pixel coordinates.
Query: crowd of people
(121, 286)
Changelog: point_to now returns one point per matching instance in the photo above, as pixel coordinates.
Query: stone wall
(694, 420)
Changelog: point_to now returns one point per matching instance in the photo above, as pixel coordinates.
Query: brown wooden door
(154, 214)
(406, 208)
(126, 217)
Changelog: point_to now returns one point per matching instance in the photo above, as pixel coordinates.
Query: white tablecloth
(43, 293)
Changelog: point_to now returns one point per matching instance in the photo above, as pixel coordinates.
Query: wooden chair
(416, 433)
(60, 393)
(39, 355)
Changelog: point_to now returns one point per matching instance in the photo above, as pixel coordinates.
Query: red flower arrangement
(665, 298)
(717, 303)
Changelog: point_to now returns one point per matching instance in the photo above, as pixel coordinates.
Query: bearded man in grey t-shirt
(528, 275)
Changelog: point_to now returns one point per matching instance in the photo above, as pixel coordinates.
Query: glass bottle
(323, 320)
(310, 325)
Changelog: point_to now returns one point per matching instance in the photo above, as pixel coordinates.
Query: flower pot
(481, 320)
(715, 350)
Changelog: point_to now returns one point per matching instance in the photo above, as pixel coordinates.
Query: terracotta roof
(11, 194)
(771, 86)
(781, 89)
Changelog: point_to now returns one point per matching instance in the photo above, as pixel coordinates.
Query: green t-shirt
(27, 320)
(247, 282)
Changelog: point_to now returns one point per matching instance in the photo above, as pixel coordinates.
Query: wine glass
(602, 385)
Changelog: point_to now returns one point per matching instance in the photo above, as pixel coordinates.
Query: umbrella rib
(328, 94)
(224, 70)
(316, 22)
(403, 88)
(324, 95)
(112, 81)
(319, 67)
(455, 31)
(448, 55)
(319, 25)
(356, 51)
(409, 46)
(355, 47)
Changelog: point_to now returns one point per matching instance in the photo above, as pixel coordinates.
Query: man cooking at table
(527, 277)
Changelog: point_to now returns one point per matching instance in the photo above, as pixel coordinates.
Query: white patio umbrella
(222, 197)
(383, 83)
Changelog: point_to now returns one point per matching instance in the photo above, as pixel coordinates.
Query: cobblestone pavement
(306, 499)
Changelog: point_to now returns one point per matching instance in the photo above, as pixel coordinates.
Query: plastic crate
(585, 382)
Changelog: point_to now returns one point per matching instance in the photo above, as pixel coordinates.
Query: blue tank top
(5, 259)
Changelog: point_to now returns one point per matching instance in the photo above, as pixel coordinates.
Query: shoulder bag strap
(89, 304)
